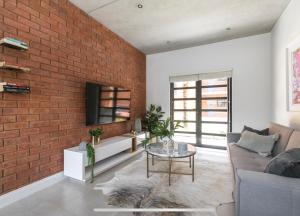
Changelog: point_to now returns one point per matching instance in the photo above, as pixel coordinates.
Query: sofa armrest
(259, 193)
(233, 137)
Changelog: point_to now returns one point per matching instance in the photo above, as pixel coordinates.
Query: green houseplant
(91, 159)
(164, 129)
(94, 134)
(152, 118)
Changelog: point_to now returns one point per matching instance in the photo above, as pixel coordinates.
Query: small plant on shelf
(91, 159)
(95, 135)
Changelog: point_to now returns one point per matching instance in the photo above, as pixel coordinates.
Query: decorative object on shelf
(82, 146)
(134, 141)
(96, 135)
(4, 65)
(293, 72)
(152, 118)
(14, 43)
(14, 88)
(138, 125)
(91, 159)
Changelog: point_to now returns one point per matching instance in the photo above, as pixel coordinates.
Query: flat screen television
(106, 104)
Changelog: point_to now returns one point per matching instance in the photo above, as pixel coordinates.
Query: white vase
(98, 140)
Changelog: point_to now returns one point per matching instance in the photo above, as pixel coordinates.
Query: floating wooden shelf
(4, 65)
(13, 43)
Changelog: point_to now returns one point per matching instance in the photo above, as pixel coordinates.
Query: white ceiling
(164, 25)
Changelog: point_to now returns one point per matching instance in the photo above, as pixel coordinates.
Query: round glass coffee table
(171, 153)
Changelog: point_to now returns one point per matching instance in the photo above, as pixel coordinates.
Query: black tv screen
(106, 104)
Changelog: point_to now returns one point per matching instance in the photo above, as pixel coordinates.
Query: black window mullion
(229, 104)
(187, 121)
(184, 110)
(214, 122)
(214, 98)
(214, 110)
(176, 99)
(214, 86)
(181, 88)
(172, 103)
(198, 112)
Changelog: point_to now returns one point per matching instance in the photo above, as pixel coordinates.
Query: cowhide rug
(213, 185)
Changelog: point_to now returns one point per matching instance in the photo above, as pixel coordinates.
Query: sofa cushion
(284, 132)
(257, 143)
(294, 141)
(285, 164)
(247, 160)
(264, 132)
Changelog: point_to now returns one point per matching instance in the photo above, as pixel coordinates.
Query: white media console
(109, 153)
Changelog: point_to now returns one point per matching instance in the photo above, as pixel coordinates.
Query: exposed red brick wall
(67, 48)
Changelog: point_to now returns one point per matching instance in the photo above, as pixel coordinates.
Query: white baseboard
(27, 190)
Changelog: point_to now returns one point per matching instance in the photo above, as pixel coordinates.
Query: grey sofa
(262, 194)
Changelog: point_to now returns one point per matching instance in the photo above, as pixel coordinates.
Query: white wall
(250, 59)
(285, 31)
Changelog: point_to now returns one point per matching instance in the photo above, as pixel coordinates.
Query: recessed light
(228, 29)
(140, 6)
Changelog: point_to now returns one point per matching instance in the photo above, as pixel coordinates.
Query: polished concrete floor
(73, 198)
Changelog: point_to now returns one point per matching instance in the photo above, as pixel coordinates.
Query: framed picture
(293, 75)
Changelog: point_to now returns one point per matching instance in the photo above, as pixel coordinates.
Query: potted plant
(91, 159)
(98, 134)
(95, 135)
(164, 130)
(152, 118)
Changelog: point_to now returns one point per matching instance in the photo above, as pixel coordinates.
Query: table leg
(152, 160)
(147, 165)
(190, 161)
(170, 169)
(193, 169)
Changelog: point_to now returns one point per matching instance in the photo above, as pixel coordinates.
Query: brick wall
(67, 48)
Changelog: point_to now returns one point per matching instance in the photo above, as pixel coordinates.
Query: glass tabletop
(174, 150)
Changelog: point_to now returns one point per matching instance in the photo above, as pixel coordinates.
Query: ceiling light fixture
(140, 6)
(228, 29)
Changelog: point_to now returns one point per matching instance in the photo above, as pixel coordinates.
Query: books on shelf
(4, 65)
(14, 43)
(14, 88)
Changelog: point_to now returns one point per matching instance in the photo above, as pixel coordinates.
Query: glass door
(183, 109)
(214, 112)
(204, 108)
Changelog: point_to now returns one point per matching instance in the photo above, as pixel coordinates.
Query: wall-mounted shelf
(13, 43)
(14, 88)
(4, 65)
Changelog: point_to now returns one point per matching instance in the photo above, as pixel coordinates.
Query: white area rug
(213, 184)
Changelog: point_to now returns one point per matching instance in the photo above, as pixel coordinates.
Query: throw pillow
(257, 143)
(264, 132)
(285, 164)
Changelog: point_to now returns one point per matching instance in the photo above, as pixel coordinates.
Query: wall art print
(293, 75)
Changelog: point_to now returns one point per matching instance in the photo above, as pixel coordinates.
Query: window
(204, 108)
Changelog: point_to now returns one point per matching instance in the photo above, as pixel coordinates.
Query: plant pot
(98, 140)
(93, 141)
